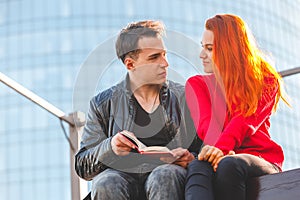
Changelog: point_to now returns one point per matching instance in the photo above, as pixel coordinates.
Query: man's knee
(110, 185)
(166, 182)
(167, 172)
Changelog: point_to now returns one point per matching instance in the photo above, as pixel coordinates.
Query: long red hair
(240, 67)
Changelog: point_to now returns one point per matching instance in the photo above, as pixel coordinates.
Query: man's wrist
(195, 155)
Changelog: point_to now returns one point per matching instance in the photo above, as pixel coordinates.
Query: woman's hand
(215, 166)
(211, 154)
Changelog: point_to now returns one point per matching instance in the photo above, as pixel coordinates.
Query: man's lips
(162, 74)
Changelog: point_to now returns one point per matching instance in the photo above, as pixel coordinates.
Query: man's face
(151, 64)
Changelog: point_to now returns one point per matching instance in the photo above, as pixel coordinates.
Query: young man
(148, 106)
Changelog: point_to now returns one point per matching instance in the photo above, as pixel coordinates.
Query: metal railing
(76, 121)
(290, 72)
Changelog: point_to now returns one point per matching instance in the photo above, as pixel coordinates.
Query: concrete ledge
(280, 186)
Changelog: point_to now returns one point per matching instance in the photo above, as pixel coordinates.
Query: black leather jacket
(114, 110)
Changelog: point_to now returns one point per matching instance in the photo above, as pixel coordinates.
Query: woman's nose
(202, 54)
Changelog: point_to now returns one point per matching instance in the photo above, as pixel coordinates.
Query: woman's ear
(129, 63)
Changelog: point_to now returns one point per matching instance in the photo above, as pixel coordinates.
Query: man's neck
(148, 97)
(146, 92)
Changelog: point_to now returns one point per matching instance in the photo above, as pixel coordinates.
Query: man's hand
(182, 157)
(120, 145)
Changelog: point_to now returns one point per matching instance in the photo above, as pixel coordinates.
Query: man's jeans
(164, 182)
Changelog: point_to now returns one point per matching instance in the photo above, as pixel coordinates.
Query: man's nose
(164, 62)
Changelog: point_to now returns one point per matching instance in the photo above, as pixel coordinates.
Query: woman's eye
(208, 47)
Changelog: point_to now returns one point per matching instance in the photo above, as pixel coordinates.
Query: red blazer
(241, 134)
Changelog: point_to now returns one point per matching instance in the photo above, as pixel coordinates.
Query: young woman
(231, 109)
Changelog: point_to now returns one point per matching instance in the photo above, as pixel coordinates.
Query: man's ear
(129, 63)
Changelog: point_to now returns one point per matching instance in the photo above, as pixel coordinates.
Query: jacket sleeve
(196, 143)
(95, 152)
(186, 136)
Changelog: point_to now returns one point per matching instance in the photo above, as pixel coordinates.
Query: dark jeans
(229, 182)
(164, 182)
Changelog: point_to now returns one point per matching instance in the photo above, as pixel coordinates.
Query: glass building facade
(43, 45)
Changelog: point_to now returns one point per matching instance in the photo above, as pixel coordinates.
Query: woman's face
(206, 52)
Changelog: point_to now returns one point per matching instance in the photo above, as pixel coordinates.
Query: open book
(158, 151)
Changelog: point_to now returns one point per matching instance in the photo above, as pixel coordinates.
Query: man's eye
(153, 57)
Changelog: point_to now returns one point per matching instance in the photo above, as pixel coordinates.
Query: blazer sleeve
(239, 127)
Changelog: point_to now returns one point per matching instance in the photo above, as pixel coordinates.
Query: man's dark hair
(127, 41)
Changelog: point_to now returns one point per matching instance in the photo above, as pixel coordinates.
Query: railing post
(78, 186)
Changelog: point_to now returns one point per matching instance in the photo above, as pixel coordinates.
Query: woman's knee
(231, 166)
(197, 166)
(199, 180)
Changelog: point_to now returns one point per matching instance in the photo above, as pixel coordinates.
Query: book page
(155, 148)
(134, 140)
(157, 151)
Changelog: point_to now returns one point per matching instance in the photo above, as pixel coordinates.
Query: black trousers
(229, 181)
